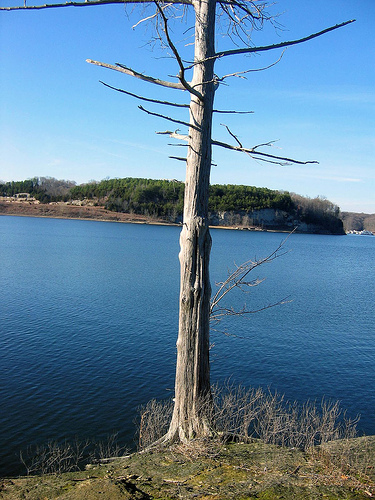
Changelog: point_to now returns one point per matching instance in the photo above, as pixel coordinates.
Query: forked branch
(239, 278)
(240, 74)
(221, 312)
(248, 50)
(253, 153)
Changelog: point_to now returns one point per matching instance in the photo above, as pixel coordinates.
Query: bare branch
(242, 6)
(156, 101)
(89, 3)
(269, 143)
(261, 156)
(186, 138)
(175, 135)
(150, 17)
(234, 136)
(168, 118)
(240, 74)
(167, 103)
(248, 50)
(128, 71)
(233, 112)
(239, 279)
(230, 311)
(177, 158)
(181, 75)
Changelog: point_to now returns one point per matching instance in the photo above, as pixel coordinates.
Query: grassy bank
(340, 470)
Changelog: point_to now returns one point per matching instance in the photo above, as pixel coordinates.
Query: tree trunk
(192, 385)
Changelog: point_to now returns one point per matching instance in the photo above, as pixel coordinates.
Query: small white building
(24, 196)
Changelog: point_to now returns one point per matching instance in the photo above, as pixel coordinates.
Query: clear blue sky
(57, 120)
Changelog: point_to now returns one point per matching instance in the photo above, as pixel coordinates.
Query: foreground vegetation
(263, 447)
(164, 199)
(255, 470)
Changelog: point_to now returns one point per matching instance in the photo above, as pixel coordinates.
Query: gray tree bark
(192, 385)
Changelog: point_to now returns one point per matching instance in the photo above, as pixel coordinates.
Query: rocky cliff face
(272, 219)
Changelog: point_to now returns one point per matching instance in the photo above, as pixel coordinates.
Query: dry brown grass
(66, 456)
(240, 413)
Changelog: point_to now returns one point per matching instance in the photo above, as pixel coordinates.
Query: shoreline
(98, 214)
(74, 212)
(60, 217)
(150, 222)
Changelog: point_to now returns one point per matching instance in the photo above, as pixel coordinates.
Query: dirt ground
(219, 472)
(64, 211)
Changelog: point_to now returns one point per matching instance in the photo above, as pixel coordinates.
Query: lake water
(89, 314)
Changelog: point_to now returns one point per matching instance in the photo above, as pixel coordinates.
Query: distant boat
(361, 233)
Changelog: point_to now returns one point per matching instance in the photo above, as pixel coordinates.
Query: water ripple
(89, 325)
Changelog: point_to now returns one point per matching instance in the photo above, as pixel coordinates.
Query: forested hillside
(148, 196)
(228, 205)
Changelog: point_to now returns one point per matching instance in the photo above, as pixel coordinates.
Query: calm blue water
(89, 313)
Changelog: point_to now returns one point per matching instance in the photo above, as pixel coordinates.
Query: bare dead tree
(238, 18)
